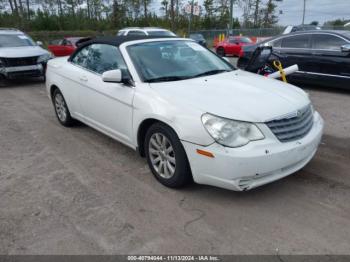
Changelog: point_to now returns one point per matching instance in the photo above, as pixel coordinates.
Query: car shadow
(192, 189)
(21, 82)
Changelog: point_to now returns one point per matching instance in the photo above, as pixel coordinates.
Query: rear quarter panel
(62, 74)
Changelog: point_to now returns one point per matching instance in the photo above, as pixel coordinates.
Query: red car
(64, 47)
(233, 45)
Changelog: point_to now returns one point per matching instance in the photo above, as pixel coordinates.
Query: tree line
(53, 15)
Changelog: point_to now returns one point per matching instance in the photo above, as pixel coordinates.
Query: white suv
(145, 31)
(20, 56)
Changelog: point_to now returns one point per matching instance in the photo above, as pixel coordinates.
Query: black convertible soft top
(114, 40)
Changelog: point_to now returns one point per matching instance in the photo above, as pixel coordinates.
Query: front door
(334, 64)
(106, 106)
(296, 50)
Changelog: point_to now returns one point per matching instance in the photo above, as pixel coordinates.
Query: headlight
(45, 57)
(231, 133)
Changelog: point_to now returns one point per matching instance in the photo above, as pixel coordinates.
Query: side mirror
(117, 76)
(237, 43)
(113, 76)
(39, 43)
(345, 48)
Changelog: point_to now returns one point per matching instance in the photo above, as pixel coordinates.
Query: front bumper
(23, 71)
(256, 164)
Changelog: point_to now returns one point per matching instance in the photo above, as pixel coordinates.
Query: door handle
(83, 78)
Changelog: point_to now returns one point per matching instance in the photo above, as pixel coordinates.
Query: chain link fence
(209, 35)
(47, 36)
(251, 32)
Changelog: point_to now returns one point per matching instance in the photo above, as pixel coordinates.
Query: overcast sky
(316, 10)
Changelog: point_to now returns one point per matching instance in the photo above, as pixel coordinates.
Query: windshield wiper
(165, 78)
(212, 72)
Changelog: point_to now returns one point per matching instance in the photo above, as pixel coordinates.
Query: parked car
(64, 47)
(20, 56)
(323, 56)
(296, 28)
(191, 113)
(144, 31)
(199, 38)
(233, 45)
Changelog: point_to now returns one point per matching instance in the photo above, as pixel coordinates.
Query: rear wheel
(3, 81)
(166, 156)
(242, 62)
(220, 51)
(61, 109)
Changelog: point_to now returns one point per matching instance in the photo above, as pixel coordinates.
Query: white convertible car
(189, 112)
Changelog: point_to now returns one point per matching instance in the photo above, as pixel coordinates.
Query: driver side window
(81, 57)
(234, 41)
(327, 42)
(103, 57)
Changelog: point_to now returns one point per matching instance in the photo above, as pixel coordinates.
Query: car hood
(236, 95)
(23, 51)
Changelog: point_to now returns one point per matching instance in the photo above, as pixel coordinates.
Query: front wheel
(220, 51)
(61, 109)
(166, 156)
(3, 81)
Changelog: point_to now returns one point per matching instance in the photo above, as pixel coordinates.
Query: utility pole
(172, 14)
(177, 11)
(231, 16)
(191, 17)
(304, 12)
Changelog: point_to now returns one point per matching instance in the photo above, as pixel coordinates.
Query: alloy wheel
(221, 51)
(162, 155)
(61, 108)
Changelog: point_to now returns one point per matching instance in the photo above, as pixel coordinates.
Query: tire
(61, 109)
(3, 81)
(221, 51)
(242, 63)
(166, 156)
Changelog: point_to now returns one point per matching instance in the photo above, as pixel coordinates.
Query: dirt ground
(76, 191)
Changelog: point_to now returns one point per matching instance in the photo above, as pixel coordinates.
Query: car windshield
(7, 40)
(160, 33)
(245, 40)
(175, 60)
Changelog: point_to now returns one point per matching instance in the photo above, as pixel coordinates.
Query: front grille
(23, 61)
(292, 128)
(23, 74)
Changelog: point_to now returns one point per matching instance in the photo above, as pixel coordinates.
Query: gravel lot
(76, 191)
